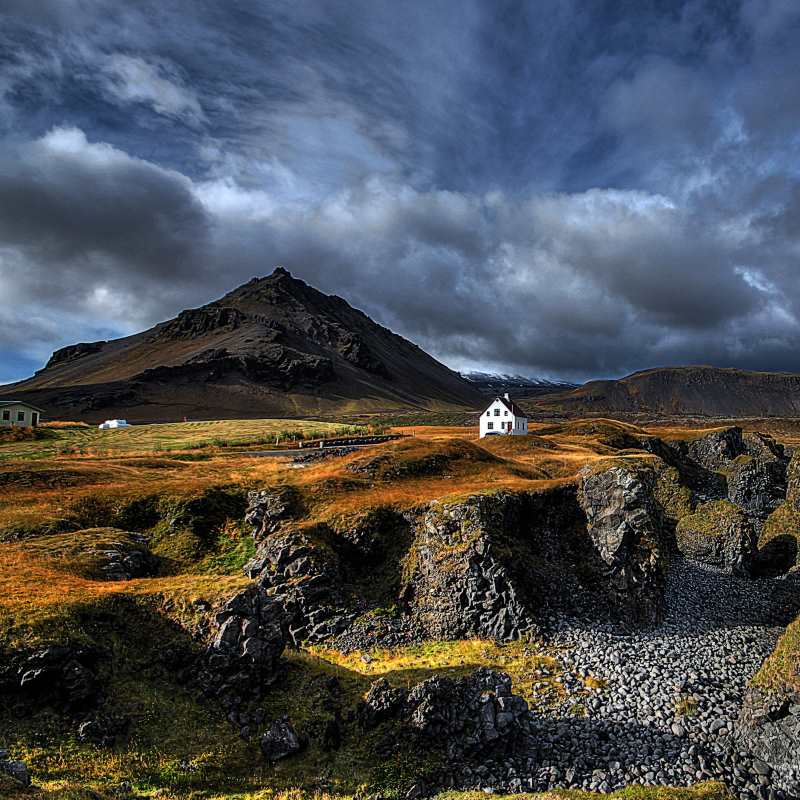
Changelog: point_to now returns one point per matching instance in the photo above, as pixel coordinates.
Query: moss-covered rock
(779, 542)
(718, 533)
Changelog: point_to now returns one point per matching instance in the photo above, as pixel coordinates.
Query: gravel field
(660, 706)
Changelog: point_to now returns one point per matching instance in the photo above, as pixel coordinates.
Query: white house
(504, 417)
(15, 412)
(113, 423)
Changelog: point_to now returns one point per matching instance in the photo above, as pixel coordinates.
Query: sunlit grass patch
(526, 663)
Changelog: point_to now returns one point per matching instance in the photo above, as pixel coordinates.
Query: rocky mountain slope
(686, 391)
(272, 347)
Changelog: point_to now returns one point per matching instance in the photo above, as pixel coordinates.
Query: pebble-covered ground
(659, 706)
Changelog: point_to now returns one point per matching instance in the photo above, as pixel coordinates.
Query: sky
(562, 188)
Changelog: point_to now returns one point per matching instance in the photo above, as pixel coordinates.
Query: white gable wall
(498, 419)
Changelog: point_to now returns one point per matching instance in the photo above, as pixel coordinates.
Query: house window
(488, 413)
(497, 412)
(20, 416)
(490, 426)
(505, 413)
(6, 416)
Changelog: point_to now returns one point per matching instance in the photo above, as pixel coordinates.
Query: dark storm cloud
(567, 188)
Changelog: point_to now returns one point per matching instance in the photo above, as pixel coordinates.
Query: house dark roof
(20, 403)
(512, 407)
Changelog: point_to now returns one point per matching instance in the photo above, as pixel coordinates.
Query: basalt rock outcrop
(243, 655)
(625, 525)
(490, 566)
(300, 568)
(269, 508)
(498, 565)
(462, 585)
(472, 718)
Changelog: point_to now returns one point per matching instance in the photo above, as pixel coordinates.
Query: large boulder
(757, 485)
(718, 534)
(717, 449)
(280, 740)
(470, 715)
(625, 525)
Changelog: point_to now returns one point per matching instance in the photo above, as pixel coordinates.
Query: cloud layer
(574, 194)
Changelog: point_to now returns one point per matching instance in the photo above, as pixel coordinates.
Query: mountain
(492, 384)
(273, 347)
(689, 391)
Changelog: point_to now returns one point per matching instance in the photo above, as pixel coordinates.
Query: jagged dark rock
(61, 676)
(73, 352)
(243, 656)
(126, 559)
(280, 741)
(470, 716)
(267, 509)
(460, 586)
(769, 727)
(301, 570)
(625, 526)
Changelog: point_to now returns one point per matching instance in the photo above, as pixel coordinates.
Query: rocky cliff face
(491, 566)
(626, 528)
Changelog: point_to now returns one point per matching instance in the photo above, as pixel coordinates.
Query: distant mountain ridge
(274, 346)
(491, 384)
(686, 391)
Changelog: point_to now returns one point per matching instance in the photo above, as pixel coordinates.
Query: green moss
(782, 524)
(675, 499)
(711, 519)
(781, 671)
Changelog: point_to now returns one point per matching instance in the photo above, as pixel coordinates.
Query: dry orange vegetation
(39, 591)
(40, 490)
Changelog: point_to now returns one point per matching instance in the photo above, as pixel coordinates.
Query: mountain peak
(271, 347)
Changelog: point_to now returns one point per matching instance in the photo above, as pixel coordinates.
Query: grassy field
(65, 498)
(170, 437)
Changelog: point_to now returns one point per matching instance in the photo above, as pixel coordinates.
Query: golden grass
(38, 593)
(781, 671)
(525, 662)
